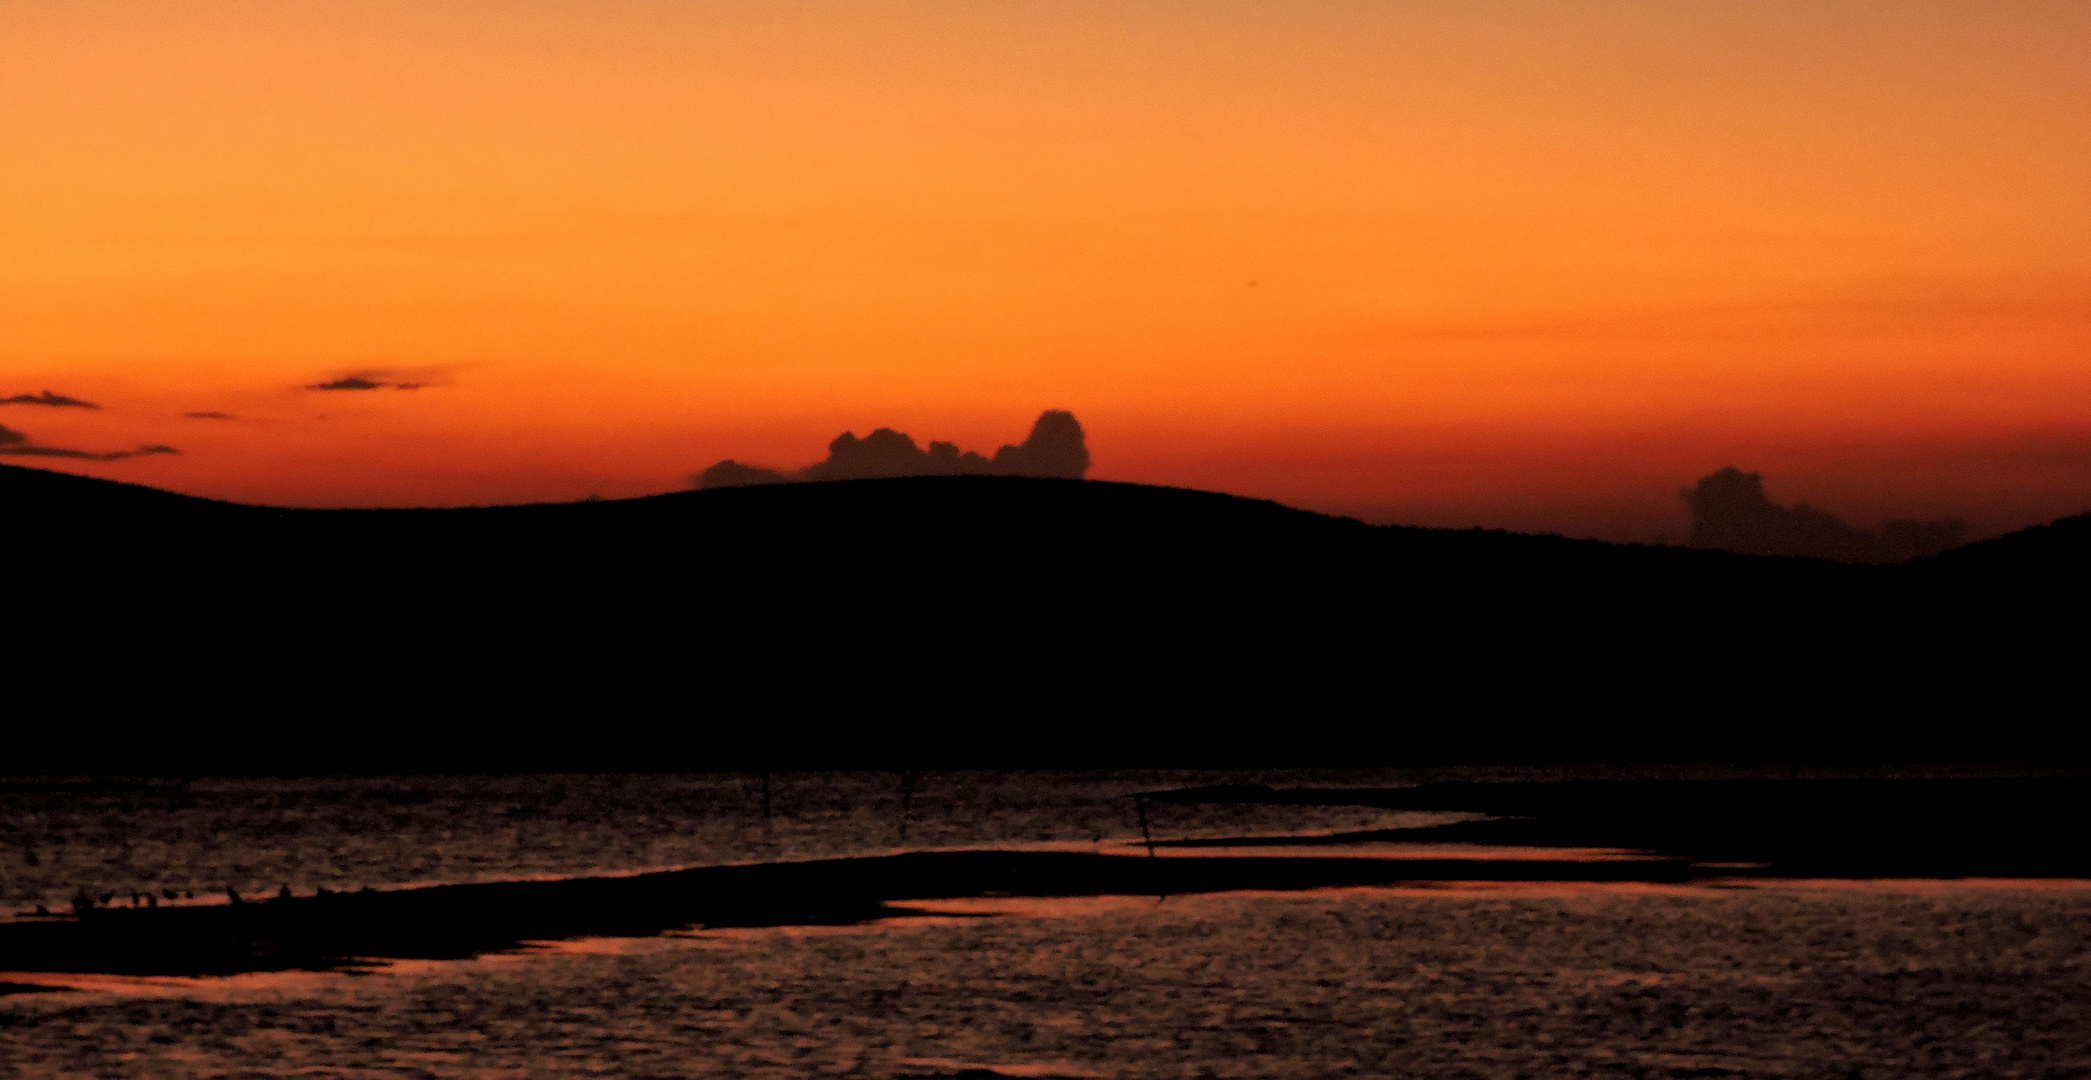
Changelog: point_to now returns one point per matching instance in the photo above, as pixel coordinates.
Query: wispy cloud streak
(15, 444)
(49, 399)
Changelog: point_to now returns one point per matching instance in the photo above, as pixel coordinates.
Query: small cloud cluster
(210, 416)
(1056, 447)
(1731, 512)
(383, 379)
(15, 444)
(731, 473)
(361, 382)
(49, 399)
(348, 382)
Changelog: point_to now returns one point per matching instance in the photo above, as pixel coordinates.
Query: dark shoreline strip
(342, 930)
(1867, 827)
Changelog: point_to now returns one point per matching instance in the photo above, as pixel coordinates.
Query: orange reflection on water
(1413, 851)
(177, 985)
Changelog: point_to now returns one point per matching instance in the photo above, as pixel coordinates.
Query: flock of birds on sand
(84, 901)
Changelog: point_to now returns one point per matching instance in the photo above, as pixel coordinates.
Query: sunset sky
(1523, 264)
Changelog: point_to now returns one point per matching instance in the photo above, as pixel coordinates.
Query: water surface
(1794, 979)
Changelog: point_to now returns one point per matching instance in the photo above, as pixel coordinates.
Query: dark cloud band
(15, 444)
(384, 379)
(1731, 512)
(1056, 447)
(50, 400)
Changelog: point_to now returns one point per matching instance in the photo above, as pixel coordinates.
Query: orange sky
(1451, 262)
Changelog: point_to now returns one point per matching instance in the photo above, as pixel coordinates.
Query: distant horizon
(1443, 264)
(1677, 533)
(1729, 508)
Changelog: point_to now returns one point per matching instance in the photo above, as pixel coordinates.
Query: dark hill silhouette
(2051, 557)
(981, 620)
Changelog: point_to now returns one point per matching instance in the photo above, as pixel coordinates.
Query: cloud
(56, 401)
(210, 416)
(731, 473)
(1056, 447)
(386, 379)
(885, 453)
(15, 444)
(1731, 512)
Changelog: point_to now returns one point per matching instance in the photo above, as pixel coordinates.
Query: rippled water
(255, 834)
(1833, 982)
(1867, 980)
